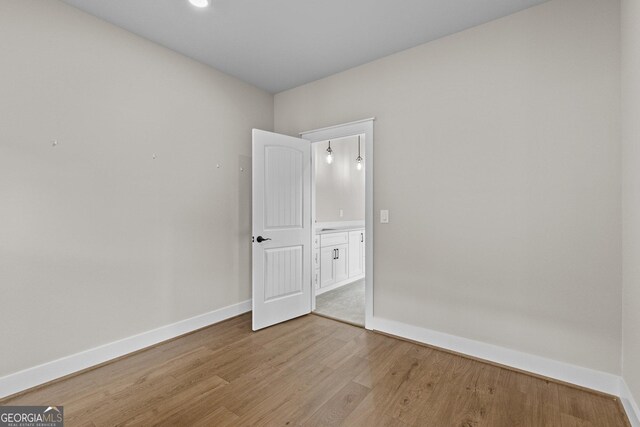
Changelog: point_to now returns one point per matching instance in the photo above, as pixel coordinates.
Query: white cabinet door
(356, 253)
(341, 263)
(327, 271)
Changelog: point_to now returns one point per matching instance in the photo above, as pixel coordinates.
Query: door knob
(261, 239)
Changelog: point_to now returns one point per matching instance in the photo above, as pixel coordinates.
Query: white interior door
(281, 228)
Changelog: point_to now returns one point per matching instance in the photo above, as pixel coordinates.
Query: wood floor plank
(451, 379)
(313, 371)
(221, 417)
(381, 362)
(509, 406)
(334, 412)
(379, 403)
(173, 408)
(317, 393)
(418, 388)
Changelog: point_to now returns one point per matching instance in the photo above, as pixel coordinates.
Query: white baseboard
(629, 403)
(595, 380)
(321, 291)
(49, 371)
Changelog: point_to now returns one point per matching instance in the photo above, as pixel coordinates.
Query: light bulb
(199, 3)
(329, 154)
(359, 165)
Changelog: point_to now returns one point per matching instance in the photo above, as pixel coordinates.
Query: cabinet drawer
(334, 239)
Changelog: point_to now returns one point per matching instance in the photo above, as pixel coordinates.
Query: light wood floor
(317, 372)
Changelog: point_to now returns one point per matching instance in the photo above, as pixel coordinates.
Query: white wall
(98, 241)
(339, 185)
(497, 152)
(631, 193)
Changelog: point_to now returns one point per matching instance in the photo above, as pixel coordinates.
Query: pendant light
(329, 154)
(359, 158)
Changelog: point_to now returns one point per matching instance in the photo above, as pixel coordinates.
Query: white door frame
(359, 127)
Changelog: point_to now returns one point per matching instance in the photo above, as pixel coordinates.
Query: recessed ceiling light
(199, 3)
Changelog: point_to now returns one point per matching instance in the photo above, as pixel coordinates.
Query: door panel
(281, 216)
(283, 181)
(282, 272)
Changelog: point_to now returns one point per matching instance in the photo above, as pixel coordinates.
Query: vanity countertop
(341, 229)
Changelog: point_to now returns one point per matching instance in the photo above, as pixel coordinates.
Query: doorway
(284, 235)
(339, 259)
(342, 221)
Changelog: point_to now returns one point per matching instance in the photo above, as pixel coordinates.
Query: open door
(281, 197)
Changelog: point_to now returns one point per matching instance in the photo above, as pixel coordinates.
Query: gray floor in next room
(345, 303)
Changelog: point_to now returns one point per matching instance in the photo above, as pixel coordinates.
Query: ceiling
(280, 44)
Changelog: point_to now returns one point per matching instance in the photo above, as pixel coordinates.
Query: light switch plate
(384, 216)
(341, 213)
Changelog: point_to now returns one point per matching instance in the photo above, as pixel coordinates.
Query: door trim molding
(358, 127)
(47, 372)
(328, 128)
